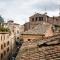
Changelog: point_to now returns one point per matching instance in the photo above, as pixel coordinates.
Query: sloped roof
(10, 21)
(46, 51)
(38, 14)
(39, 29)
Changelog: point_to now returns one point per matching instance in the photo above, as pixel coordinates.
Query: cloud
(20, 10)
(50, 5)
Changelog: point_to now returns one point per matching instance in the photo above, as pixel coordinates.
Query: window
(17, 37)
(1, 46)
(7, 36)
(4, 45)
(1, 38)
(56, 19)
(1, 55)
(40, 18)
(17, 32)
(13, 30)
(28, 39)
(4, 52)
(8, 43)
(4, 37)
(8, 49)
(36, 18)
(32, 19)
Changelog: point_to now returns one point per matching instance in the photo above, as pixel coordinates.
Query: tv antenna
(59, 10)
(45, 12)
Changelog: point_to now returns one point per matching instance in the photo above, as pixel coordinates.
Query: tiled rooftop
(39, 29)
(48, 50)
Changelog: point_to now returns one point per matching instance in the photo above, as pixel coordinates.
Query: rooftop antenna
(45, 12)
(59, 10)
(46, 15)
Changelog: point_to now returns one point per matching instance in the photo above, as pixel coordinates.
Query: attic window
(32, 19)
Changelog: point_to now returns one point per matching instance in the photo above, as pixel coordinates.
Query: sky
(21, 10)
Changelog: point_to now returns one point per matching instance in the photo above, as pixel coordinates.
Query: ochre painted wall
(31, 37)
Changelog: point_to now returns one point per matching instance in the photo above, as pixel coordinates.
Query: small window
(8, 43)
(4, 45)
(1, 38)
(8, 49)
(17, 32)
(40, 18)
(7, 36)
(56, 19)
(4, 37)
(28, 39)
(4, 52)
(1, 46)
(13, 30)
(36, 18)
(32, 19)
(1, 55)
(17, 37)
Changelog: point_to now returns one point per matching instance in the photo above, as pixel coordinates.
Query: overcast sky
(20, 10)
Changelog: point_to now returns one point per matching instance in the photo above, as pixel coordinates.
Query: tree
(1, 20)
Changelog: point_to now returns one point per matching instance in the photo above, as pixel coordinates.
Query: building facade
(14, 28)
(41, 50)
(39, 32)
(14, 34)
(39, 19)
(5, 45)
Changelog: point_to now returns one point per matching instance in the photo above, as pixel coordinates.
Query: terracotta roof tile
(39, 29)
(40, 53)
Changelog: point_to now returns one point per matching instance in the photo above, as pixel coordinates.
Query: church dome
(1, 20)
